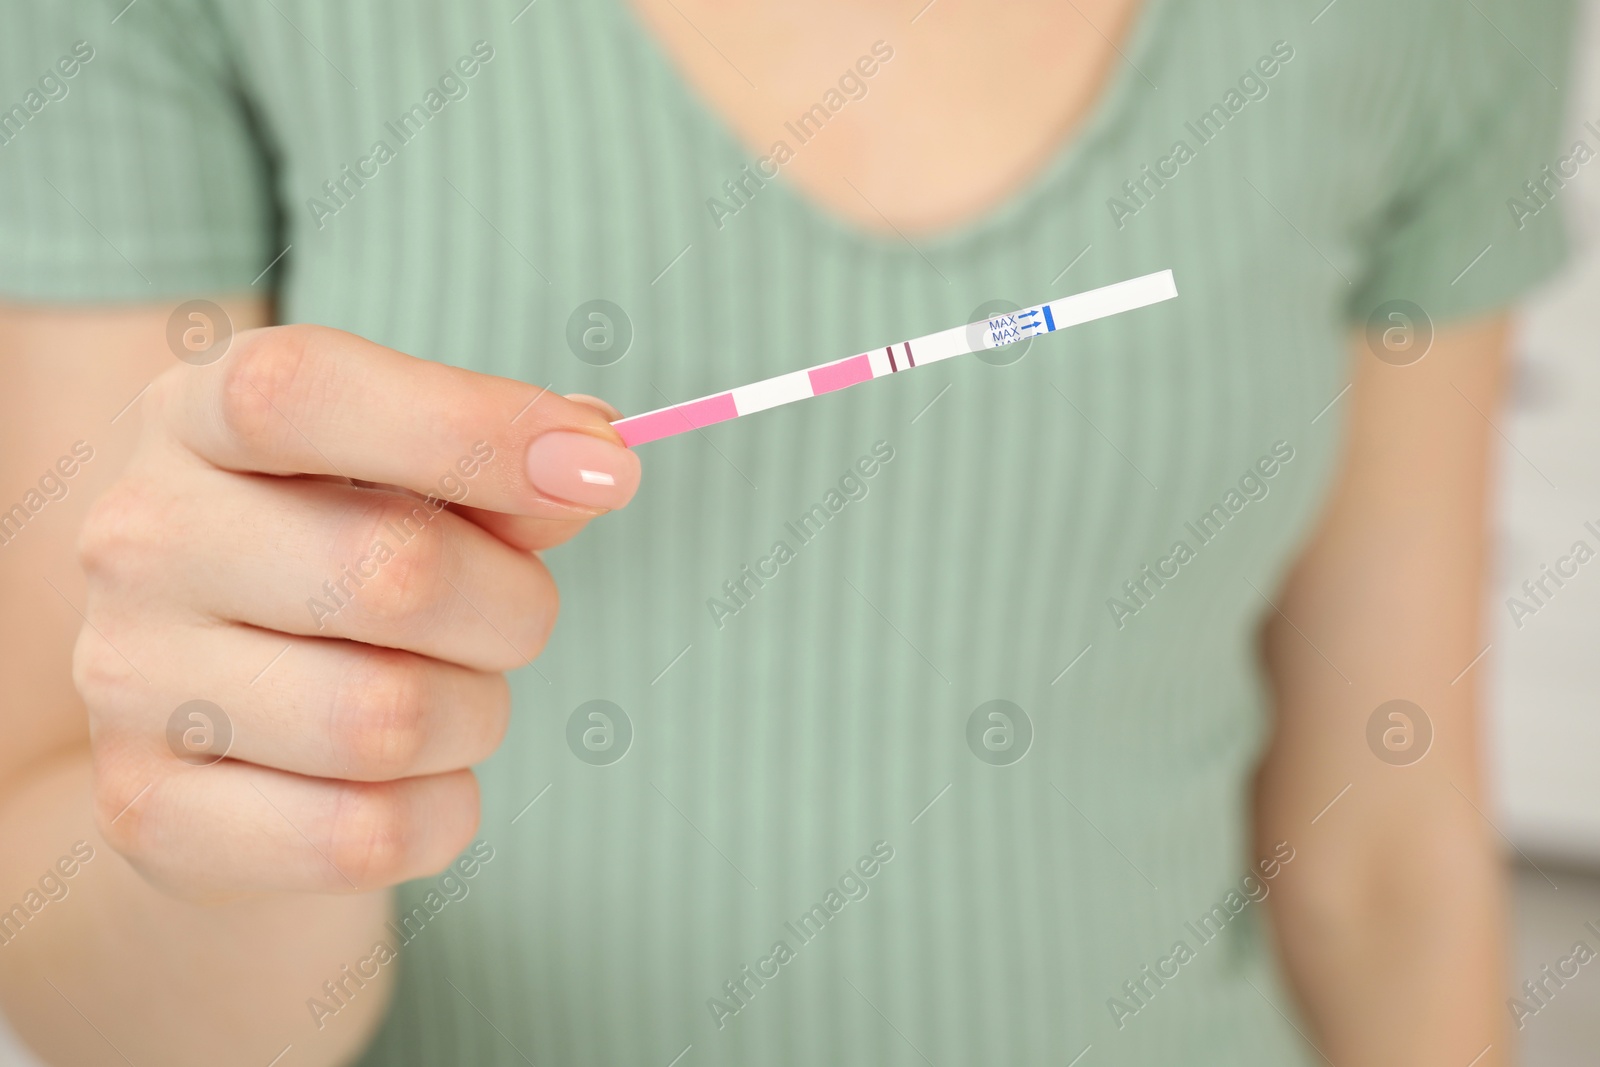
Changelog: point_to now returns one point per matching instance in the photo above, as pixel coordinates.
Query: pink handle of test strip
(891, 359)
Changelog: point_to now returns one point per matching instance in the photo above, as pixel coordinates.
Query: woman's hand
(280, 548)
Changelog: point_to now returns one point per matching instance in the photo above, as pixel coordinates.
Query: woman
(980, 765)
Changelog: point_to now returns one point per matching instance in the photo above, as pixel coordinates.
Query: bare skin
(1388, 921)
(1016, 79)
(1391, 919)
(353, 731)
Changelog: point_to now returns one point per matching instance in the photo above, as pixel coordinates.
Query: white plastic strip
(891, 359)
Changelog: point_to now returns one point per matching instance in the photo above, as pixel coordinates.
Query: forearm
(1391, 920)
(1395, 948)
(1391, 923)
(116, 970)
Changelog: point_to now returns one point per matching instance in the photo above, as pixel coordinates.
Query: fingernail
(583, 469)
(611, 413)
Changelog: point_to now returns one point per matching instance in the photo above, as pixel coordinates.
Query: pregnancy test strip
(891, 359)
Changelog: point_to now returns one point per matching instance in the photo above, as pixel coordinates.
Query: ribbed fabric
(773, 750)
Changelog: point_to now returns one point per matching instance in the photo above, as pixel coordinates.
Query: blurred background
(1542, 679)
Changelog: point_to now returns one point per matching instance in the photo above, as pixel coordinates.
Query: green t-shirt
(802, 621)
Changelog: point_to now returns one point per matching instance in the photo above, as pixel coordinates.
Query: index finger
(313, 400)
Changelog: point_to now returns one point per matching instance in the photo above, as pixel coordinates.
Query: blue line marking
(1049, 320)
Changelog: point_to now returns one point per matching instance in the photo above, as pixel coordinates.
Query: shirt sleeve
(130, 166)
(1465, 233)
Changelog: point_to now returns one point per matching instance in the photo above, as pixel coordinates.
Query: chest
(928, 119)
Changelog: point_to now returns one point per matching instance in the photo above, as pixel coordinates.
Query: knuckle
(121, 528)
(537, 625)
(369, 842)
(164, 395)
(481, 710)
(379, 727)
(516, 640)
(98, 673)
(120, 822)
(465, 799)
(399, 555)
(499, 715)
(260, 379)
